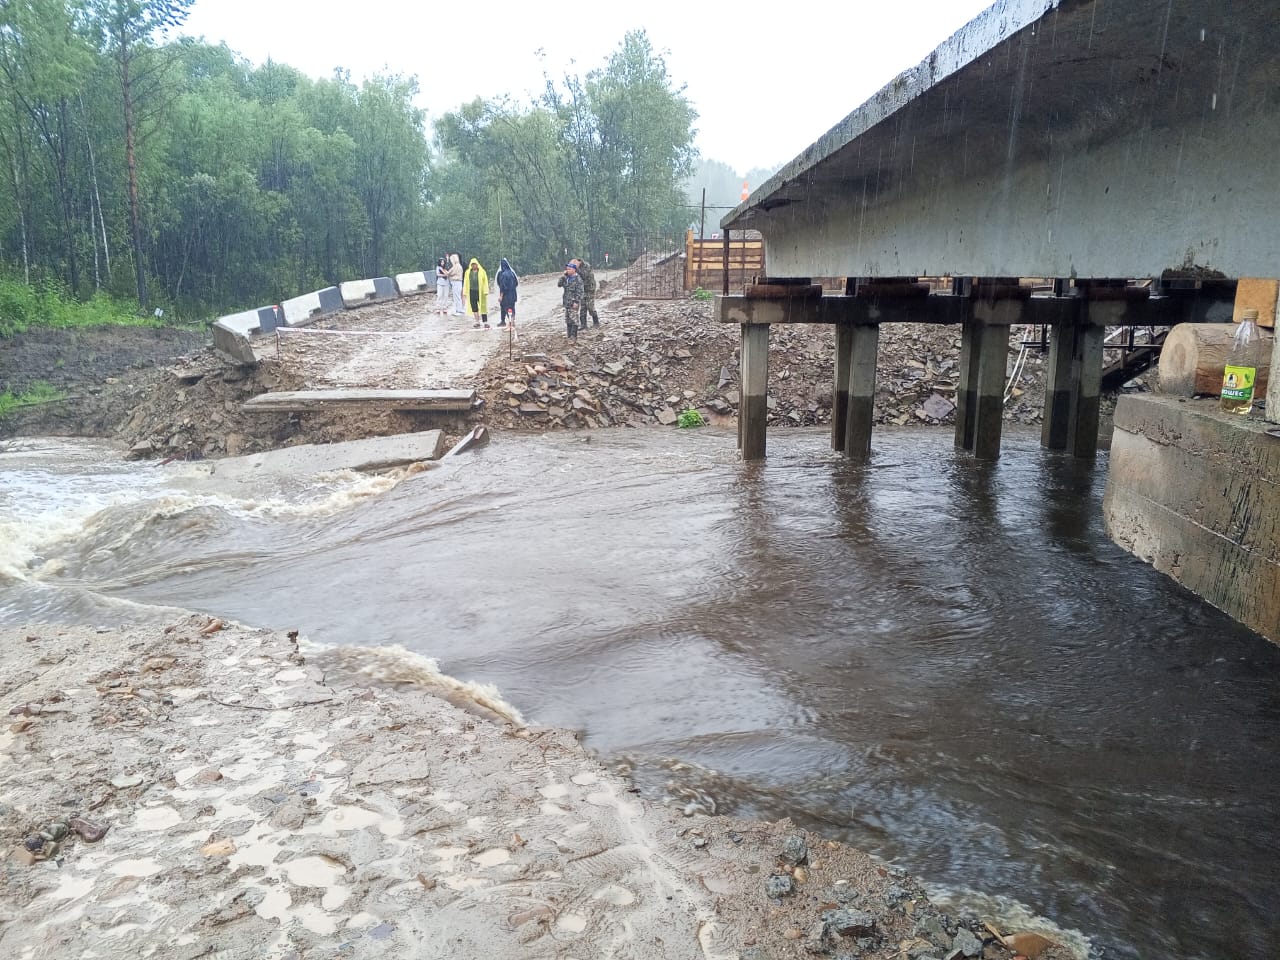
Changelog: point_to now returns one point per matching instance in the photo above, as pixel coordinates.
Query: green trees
(157, 168)
(594, 166)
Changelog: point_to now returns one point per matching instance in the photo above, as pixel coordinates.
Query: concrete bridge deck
(1088, 141)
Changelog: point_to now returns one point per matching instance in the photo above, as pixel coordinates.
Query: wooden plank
(1260, 295)
(291, 401)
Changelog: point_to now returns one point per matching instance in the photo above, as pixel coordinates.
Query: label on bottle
(1237, 383)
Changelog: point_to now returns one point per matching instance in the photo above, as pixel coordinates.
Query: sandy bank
(266, 803)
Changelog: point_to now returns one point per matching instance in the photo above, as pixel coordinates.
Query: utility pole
(702, 218)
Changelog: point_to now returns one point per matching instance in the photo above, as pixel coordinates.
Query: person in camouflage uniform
(588, 293)
(572, 284)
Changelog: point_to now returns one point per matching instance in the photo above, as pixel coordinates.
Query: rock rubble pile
(653, 359)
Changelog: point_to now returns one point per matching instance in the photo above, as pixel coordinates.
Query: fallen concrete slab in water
(478, 437)
(371, 453)
(301, 401)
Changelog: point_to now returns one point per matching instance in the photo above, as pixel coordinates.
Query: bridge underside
(1085, 140)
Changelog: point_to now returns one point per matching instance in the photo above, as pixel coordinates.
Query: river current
(944, 662)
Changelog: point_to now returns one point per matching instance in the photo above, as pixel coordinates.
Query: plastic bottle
(1243, 361)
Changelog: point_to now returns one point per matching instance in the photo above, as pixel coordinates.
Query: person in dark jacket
(572, 299)
(588, 276)
(507, 283)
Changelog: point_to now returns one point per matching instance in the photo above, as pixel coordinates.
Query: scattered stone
(88, 830)
(218, 848)
(937, 407)
(966, 944)
(26, 857)
(850, 923)
(794, 850)
(392, 768)
(667, 416)
(124, 782)
(290, 815)
(779, 885)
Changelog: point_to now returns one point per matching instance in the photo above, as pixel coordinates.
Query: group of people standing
(466, 292)
(458, 289)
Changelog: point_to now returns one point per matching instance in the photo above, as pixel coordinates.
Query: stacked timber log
(1194, 356)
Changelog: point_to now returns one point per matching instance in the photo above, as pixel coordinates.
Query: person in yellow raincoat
(475, 293)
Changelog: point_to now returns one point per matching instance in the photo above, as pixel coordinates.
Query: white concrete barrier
(310, 307)
(411, 284)
(233, 333)
(357, 293)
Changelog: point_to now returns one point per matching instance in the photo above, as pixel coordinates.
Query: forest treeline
(164, 169)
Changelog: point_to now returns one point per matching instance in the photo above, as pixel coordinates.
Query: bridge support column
(863, 350)
(1086, 380)
(753, 409)
(984, 360)
(993, 360)
(984, 356)
(840, 388)
(1055, 428)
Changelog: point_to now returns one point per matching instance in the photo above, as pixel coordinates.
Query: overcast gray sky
(766, 79)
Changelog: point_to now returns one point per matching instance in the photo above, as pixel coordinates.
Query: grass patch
(691, 418)
(39, 392)
(47, 304)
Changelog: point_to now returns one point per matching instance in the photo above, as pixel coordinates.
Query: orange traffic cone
(746, 191)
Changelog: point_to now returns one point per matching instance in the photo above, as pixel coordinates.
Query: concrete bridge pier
(840, 387)
(854, 396)
(1074, 383)
(984, 359)
(863, 348)
(753, 410)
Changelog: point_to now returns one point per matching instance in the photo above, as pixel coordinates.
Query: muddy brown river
(944, 662)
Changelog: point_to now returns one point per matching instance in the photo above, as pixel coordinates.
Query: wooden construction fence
(704, 261)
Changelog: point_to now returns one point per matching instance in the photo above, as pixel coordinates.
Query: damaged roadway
(262, 799)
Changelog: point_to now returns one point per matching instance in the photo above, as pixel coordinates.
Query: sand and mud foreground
(202, 789)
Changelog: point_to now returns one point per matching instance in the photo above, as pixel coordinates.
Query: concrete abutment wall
(1196, 493)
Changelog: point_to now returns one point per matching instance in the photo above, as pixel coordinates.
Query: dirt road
(408, 343)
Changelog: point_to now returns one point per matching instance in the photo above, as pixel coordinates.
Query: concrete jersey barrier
(410, 284)
(310, 307)
(356, 293)
(232, 334)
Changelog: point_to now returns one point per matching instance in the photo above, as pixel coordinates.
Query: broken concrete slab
(294, 401)
(371, 453)
(357, 293)
(478, 437)
(309, 307)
